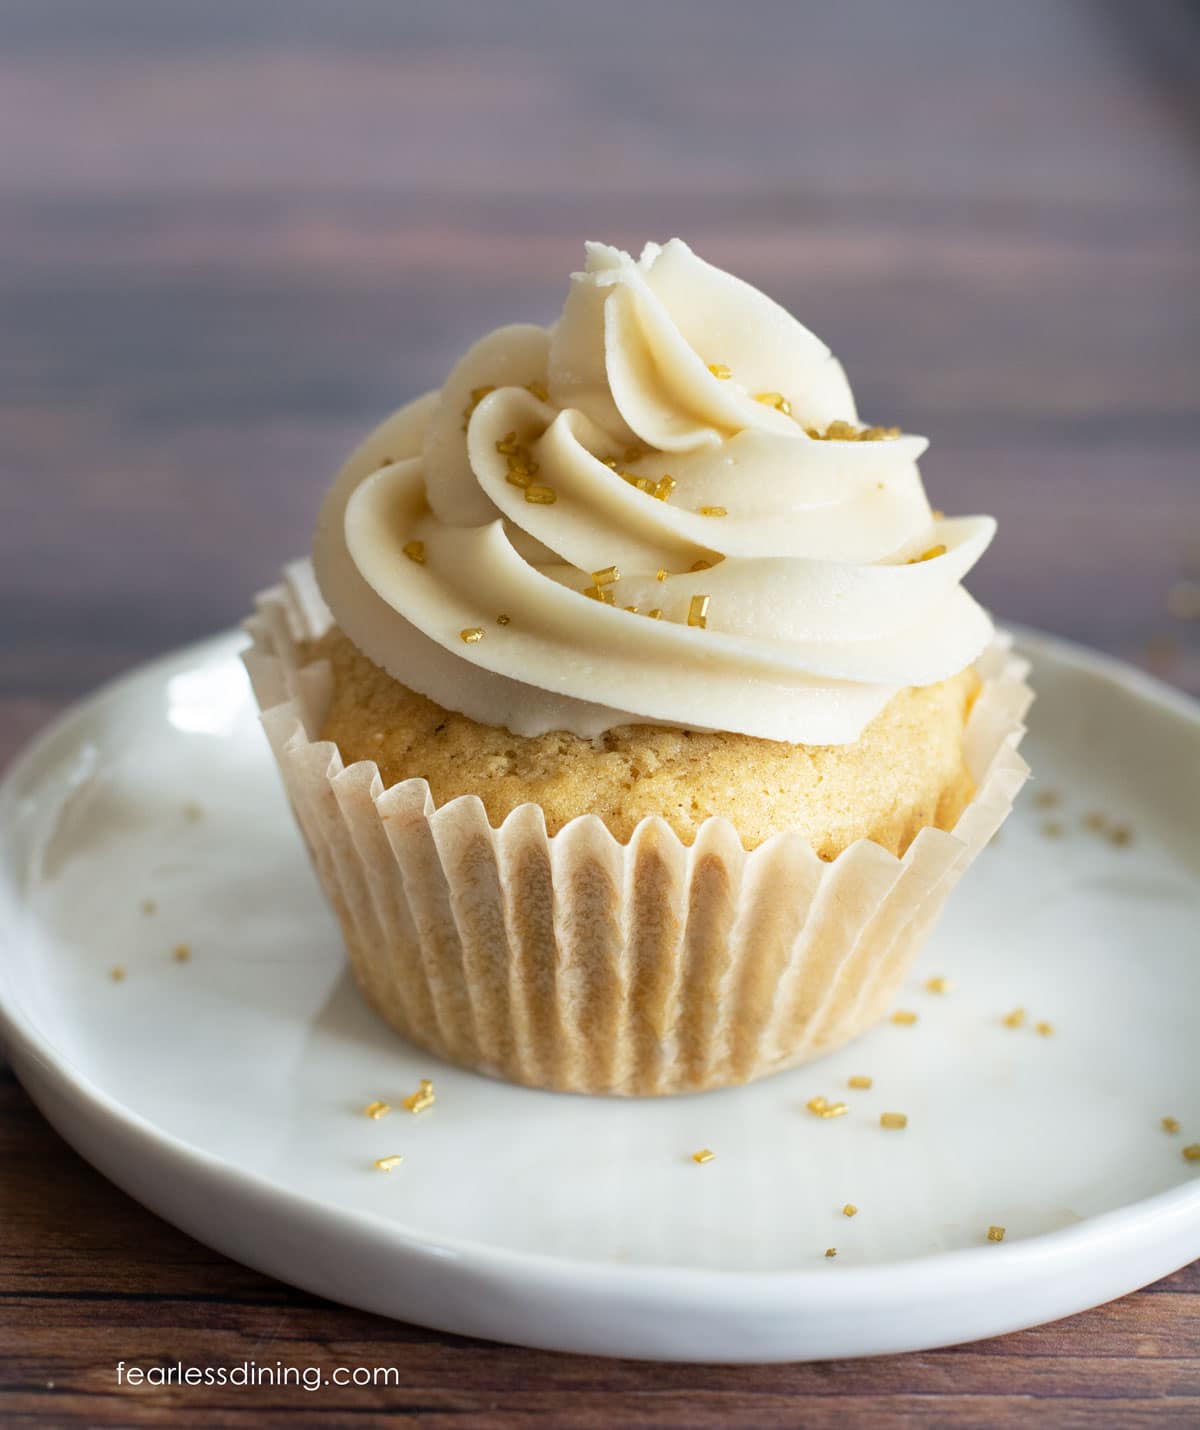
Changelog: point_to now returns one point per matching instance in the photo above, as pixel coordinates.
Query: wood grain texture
(235, 234)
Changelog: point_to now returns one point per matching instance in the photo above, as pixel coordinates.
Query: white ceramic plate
(226, 1092)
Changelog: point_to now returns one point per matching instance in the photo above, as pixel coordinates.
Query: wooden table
(235, 234)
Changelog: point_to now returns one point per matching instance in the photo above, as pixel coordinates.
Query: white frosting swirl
(819, 609)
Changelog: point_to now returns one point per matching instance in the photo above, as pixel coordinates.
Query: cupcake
(632, 707)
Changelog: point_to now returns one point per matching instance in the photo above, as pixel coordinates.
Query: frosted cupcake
(637, 721)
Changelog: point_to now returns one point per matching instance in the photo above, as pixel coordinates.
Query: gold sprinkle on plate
(1170, 1124)
(1052, 828)
(376, 1110)
(705, 1154)
(1015, 1019)
(776, 400)
(385, 1164)
(995, 1233)
(719, 370)
(831, 1252)
(893, 1121)
(503, 620)
(904, 1017)
(849, 1209)
(860, 1082)
(1044, 1029)
(939, 983)
(117, 974)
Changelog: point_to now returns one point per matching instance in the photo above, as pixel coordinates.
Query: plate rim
(737, 1288)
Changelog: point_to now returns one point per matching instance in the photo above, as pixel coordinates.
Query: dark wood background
(234, 234)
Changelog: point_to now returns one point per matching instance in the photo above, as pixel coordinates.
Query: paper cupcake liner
(579, 963)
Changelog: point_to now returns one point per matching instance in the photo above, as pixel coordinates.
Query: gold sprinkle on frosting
(719, 370)
(607, 576)
(375, 1110)
(599, 593)
(929, 555)
(1170, 1124)
(705, 1154)
(776, 400)
(385, 1164)
(655, 614)
(849, 1209)
(995, 1233)
(541, 496)
(938, 984)
(903, 1018)
(477, 396)
(713, 511)
(539, 391)
(698, 611)
(415, 551)
(661, 574)
(893, 1121)
(840, 431)
(503, 620)
(472, 635)
(664, 487)
(860, 1082)
(701, 565)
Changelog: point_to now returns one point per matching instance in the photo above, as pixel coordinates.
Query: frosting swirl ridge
(661, 509)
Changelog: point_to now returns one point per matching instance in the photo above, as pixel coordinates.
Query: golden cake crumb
(817, 1105)
(705, 1154)
(906, 771)
(376, 1110)
(860, 1081)
(995, 1233)
(893, 1121)
(385, 1164)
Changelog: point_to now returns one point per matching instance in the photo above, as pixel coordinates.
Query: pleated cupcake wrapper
(579, 963)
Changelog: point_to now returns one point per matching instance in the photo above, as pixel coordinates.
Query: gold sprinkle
(833, 1109)
(1045, 1029)
(1120, 835)
(632, 454)
(1047, 798)
(776, 400)
(817, 1104)
(849, 1209)
(859, 1081)
(633, 610)
(599, 593)
(117, 974)
(655, 614)
(1170, 1124)
(1015, 1019)
(903, 1018)
(664, 487)
(698, 611)
(518, 477)
(607, 576)
(472, 635)
(376, 1110)
(1192, 1152)
(181, 953)
(421, 1099)
(643, 484)
(933, 551)
(713, 511)
(661, 574)
(701, 565)
(539, 391)
(385, 1164)
(718, 369)
(611, 462)
(477, 396)
(705, 1154)
(995, 1233)
(541, 496)
(415, 551)
(893, 1120)
(939, 983)
(503, 620)
(1052, 829)
(508, 446)
(840, 431)
(149, 906)
(831, 1251)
